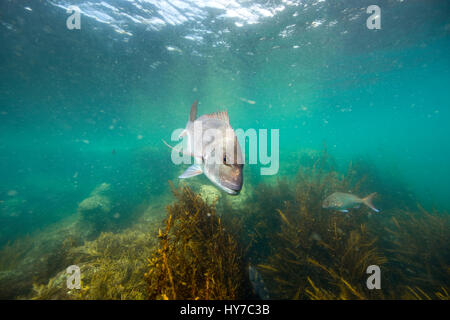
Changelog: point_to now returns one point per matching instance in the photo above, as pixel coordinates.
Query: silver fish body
(344, 201)
(216, 150)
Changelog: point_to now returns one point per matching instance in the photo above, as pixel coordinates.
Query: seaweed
(418, 250)
(112, 267)
(12, 253)
(202, 247)
(198, 256)
(319, 254)
(323, 254)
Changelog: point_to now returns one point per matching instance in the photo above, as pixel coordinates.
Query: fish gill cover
(89, 89)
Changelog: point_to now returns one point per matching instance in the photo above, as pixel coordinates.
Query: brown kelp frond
(416, 293)
(321, 250)
(315, 293)
(198, 257)
(443, 294)
(419, 247)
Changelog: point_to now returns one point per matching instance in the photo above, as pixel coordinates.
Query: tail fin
(193, 113)
(368, 201)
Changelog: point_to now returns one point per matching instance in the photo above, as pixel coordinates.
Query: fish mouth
(231, 179)
(231, 188)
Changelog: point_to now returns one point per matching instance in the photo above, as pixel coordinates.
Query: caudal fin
(368, 201)
(193, 113)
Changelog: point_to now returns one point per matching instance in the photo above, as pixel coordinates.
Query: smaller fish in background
(343, 201)
(258, 286)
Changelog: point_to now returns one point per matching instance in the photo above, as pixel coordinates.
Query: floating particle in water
(155, 64)
(28, 9)
(173, 48)
(75, 175)
(85, 141)
(116, 215)
(247, 100)
(139, 137)
(12, 193)
(316, 23)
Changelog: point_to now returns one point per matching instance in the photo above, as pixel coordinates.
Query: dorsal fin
(221, 115)
(193, 113)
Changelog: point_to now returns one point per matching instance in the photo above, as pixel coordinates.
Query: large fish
(216, 150)
(343, 201)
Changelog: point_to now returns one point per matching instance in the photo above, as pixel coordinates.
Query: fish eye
(225, 161)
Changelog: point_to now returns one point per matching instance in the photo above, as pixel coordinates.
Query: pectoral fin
(183, 133)
(192, 171)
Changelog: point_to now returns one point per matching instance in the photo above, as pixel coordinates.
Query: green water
(83, 107)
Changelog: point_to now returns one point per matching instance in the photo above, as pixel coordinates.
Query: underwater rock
(257, 282)
(101, 189)
(209, 194)
(94, 205)
(94, 212)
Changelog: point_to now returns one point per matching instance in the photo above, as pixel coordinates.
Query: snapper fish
(213, 144)
(343, 201)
